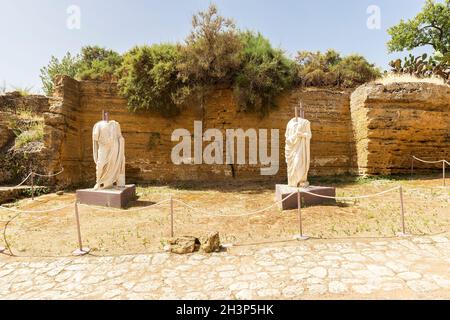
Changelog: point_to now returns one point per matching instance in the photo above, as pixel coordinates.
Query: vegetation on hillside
(330, 69)
(160, 77)
(431, 27)
(149, 78)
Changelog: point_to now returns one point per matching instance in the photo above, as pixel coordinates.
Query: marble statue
(109, 154)
(297, 151)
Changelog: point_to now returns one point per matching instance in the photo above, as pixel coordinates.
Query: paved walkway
(405, 268)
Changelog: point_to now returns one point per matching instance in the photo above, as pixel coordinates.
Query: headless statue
(109, 154)
(297, 150)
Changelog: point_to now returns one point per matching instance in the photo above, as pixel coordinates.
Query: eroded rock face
(393, 122)
(211, 243)
(18, 114)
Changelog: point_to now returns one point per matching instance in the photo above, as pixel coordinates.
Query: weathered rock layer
(394, 122)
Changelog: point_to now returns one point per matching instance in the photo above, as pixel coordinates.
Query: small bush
(23, 91)
(94, 63)
(68, 65)
(149, 79)
(211, 54)
(330, 69)
(34, 134)
(264, 74)
(98, 63)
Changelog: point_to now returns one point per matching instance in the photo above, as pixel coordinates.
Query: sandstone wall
(148, 136)
(374, 130)
(393, 122)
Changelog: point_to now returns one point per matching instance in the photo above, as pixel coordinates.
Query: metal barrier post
(171, 216)
(443, 172)
(80, 251)
(300, 236)
(32, 186)
(402, 211)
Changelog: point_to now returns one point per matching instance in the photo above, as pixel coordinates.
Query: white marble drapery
(109, 154)
(297, 151)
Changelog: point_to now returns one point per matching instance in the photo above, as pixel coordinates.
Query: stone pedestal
(113, 198)
(282, 191)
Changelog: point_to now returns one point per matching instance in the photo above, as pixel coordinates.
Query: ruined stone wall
(395, 121)
(15, 164)
(148, 136)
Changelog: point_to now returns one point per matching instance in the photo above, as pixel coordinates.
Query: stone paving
(404, 268)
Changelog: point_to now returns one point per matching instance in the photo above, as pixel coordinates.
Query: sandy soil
(427, 207)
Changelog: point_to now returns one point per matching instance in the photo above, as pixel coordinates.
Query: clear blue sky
(33, 30)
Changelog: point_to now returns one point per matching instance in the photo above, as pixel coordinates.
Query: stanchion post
(443, 173)
(32, 186)
(402, 212)
(80, 251)
(300, 236)
(171, 216)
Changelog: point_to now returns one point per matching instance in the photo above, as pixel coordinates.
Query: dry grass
(35, 133)
(405, 78)
(119, 232)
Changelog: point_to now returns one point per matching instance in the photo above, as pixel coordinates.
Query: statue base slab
(283, 191)
(113, 198)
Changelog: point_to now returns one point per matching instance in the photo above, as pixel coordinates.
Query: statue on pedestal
(297, 150)
(109, 154)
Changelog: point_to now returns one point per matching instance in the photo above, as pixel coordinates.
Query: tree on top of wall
(430, 27)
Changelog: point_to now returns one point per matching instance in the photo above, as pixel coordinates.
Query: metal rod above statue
(105, 115)
(299, 112)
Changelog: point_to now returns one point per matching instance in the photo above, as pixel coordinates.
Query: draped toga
(109, 154)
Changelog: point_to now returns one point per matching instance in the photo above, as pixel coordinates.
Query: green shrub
(149, 79)
(98, 63)
(264, 74)
(354, 70)
(94, 63)
(68, 65)
(211, 54)
(330, 69)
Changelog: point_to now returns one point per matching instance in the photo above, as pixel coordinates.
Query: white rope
(48, 175)
(24, 180)
(353, 198)
(37, 211)
(124, 210)
(425, 161)
(234, 215)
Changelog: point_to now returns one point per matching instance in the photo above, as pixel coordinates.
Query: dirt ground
(109, 232)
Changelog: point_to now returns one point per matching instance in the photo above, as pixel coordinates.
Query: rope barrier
(35, 211)
(355, 197)
(48, 175)
(24, 180)
(32, 173)
(444, 162)
(234, 215)
(198, 210)
(427, 161)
